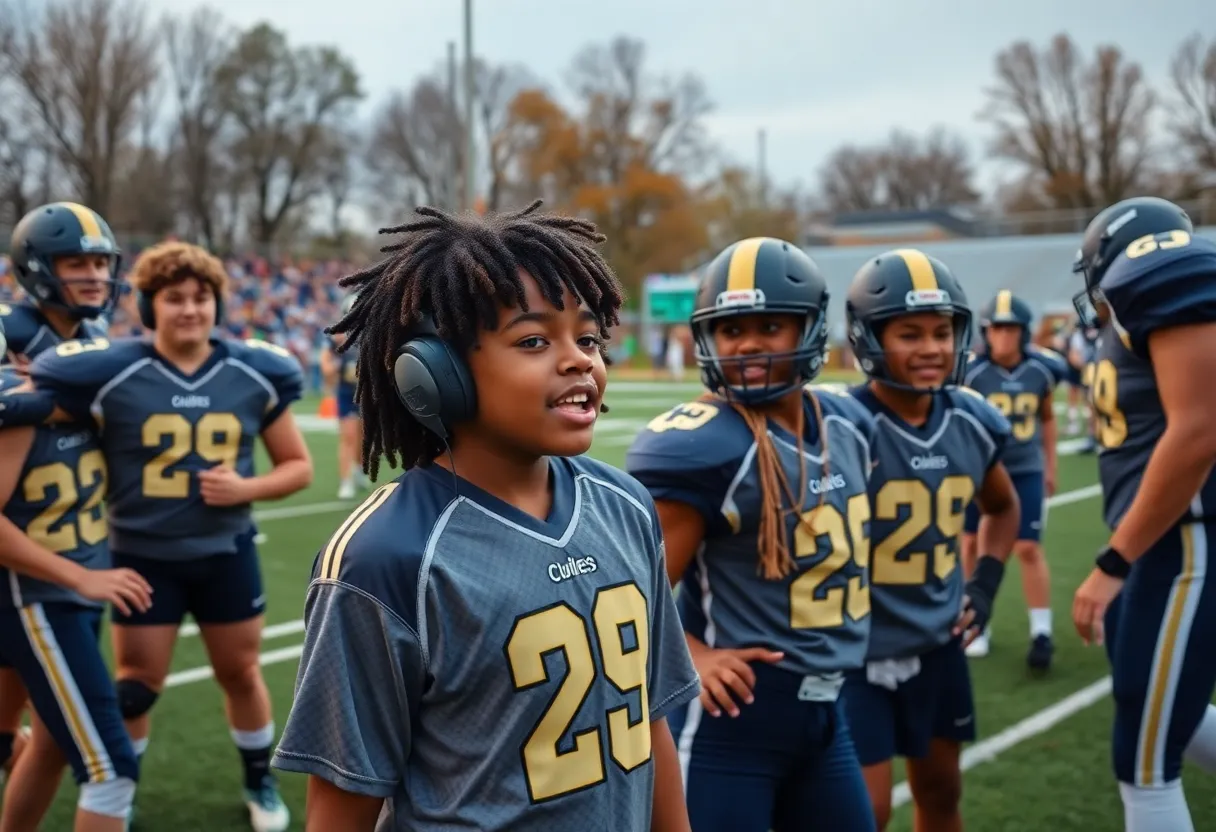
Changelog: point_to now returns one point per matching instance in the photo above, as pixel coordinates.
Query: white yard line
(988, 749)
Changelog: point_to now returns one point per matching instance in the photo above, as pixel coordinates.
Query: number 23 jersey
(159, 428)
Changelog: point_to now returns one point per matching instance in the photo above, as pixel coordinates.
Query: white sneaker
(267, 812)
(346, 490)
(978, 648)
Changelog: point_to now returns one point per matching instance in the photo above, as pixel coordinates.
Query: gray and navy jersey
(159, 428)
(923, 479)
(29, 333)
(1163, 286)
(703, 454)
(1019, 394)
(57, 503)
(479, 668)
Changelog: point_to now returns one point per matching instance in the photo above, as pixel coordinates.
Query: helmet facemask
(54, 291)
(866, 339)
(805, 361)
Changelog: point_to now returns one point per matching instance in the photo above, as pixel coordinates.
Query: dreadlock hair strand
(778, 500)
(458, 271)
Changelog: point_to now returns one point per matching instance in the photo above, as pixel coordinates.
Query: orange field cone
(328, 408)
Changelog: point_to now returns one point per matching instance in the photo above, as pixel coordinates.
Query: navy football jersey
(480, 668)
(57, 503)
(923, 479)
(1019, 394)
(1162, 281)
(703, 454)
(159, 428)
(30, 334)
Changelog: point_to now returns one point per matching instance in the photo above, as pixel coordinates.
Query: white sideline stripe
(1038, 723)
(198, 674)
(982, 752)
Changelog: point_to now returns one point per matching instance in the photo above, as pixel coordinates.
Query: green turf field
(1030, 772)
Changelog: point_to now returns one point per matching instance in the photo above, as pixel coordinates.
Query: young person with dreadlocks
(490, 641)
(936, 446)
(761, 491)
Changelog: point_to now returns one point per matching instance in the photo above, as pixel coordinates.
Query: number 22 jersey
(159, 428)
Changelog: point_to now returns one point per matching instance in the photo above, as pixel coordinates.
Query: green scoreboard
(670, 299)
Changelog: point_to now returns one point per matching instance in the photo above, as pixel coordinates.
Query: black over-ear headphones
(433, 381)
(147, 315)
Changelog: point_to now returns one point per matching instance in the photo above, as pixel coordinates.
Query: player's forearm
(21, 554)
(1051, 435)
(284, 479)
(668, 813)
(998, 530)
(330, 808)
(1176, 471)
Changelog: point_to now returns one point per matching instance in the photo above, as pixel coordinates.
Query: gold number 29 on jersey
(552, 773)
(847, 541)
(945, 507)
(216, 438)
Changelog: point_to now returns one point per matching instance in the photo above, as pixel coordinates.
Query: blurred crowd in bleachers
(288, 302)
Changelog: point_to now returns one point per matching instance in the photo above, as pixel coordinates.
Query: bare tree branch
(282, 101)
(1081, 131)
(84, 67)
(1193, 113)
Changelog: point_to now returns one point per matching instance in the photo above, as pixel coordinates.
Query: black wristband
(1112, 563)
(989, 570)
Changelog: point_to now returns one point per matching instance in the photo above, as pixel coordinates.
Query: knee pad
(111, 798)
(134, 698)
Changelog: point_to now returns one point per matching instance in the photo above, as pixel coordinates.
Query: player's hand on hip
(223, 486)
(124, 588)
(1090, 603)
(728, 671)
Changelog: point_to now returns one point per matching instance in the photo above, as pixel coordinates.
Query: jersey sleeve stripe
(332, 562)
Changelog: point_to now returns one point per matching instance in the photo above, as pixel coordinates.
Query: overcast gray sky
(813, 77)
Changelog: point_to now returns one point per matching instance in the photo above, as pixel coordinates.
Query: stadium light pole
(470, 143)
(450, 198)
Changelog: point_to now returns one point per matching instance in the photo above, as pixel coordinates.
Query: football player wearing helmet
(66, 259)
(339, 368)
(1151, 597)
(937, 447)
(179, 415)
(57, 579)
(761, 493)
(1019, 379)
